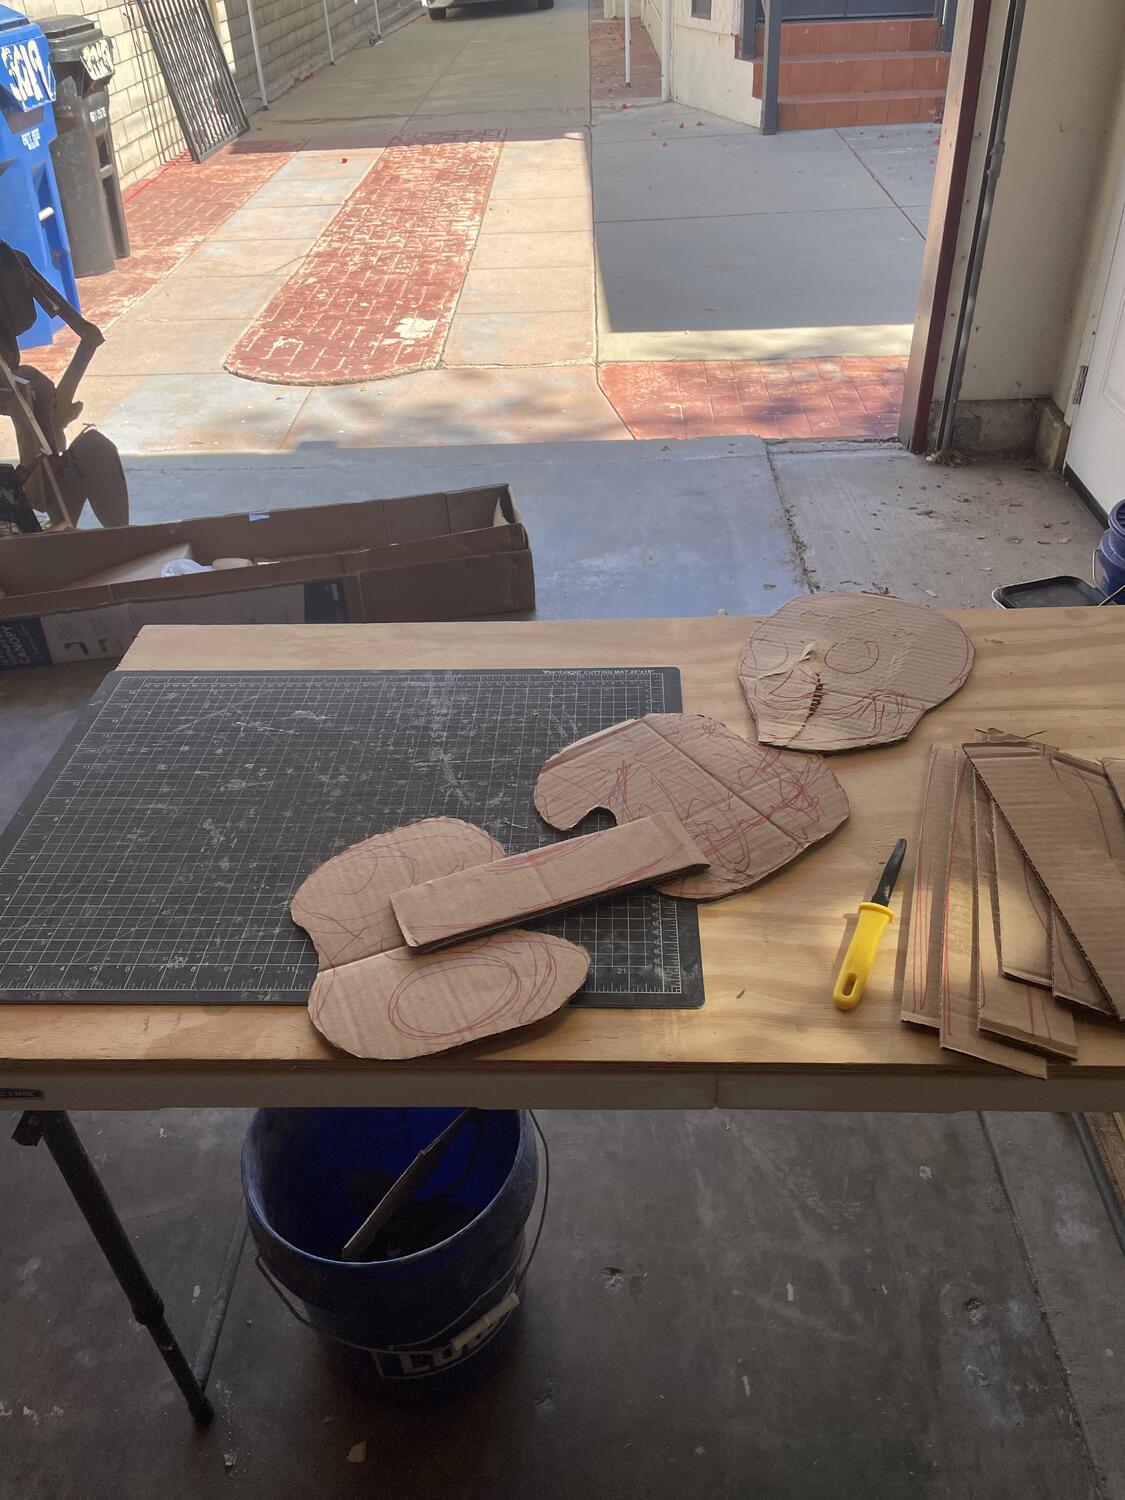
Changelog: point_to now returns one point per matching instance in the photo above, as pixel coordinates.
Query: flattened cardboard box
(420, 557)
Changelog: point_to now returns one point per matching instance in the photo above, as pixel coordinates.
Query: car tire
(440, 15)
(546, 4)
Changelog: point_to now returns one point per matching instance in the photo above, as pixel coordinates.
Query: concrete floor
(502, 66)
(784, 1306)
(714, 242)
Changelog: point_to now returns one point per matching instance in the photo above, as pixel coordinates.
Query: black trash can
(82, 152)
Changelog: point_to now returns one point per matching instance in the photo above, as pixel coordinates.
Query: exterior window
(701, 10)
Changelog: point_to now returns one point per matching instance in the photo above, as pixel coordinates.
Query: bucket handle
(511, 1297)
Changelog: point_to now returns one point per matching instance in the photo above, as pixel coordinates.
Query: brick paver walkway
(169, 216)
(798, 398)
(376, 294)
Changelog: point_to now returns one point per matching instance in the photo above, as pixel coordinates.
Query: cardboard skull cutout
(841, 671)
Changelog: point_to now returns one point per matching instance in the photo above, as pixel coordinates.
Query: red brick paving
(376, 294)
(169, 215)
(844, 397)
(607, 61)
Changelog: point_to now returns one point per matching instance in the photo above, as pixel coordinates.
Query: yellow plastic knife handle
(860, 957)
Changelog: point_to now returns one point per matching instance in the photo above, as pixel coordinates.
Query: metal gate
(196, 73)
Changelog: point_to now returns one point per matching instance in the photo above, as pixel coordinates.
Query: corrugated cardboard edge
(522, 887)
(1072, 978)
(921, 996)
(1115, 772)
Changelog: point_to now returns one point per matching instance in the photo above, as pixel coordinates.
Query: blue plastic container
(1109, 559)
(31, 216)
(427, 1323)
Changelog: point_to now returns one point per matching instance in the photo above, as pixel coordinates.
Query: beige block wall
(291, 35)
(145, 131)
(292, 38)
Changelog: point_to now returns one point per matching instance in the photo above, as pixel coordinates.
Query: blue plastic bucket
(433, 1318)
(1109, 559)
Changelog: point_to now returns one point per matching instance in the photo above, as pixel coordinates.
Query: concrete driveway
(714, 242)
(502, 66)
(440, 240)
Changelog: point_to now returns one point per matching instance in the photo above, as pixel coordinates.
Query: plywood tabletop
(768, 1033)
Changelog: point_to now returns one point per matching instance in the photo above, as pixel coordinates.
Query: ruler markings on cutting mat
(155, 859)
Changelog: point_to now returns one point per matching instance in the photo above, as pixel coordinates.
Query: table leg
(55, 1127)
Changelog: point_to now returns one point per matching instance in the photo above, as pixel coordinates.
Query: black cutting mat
(156, 858)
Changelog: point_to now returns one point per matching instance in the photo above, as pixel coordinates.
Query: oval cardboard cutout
(404, 1004)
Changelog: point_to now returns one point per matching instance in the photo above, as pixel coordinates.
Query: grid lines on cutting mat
(156, 859)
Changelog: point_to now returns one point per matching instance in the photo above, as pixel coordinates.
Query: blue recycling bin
(31, 216)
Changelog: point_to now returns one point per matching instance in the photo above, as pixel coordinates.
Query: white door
(1096, 451)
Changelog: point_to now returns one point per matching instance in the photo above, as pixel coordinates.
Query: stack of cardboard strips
(1018, 894)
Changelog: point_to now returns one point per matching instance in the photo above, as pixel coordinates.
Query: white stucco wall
(1088, 286)
(706, 70)
(1065, 103)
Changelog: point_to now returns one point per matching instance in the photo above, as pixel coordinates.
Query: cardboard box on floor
(452, 556)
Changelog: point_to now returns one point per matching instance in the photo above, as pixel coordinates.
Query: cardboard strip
(749, 809)
(1025, 907)
(1072, 978)
(344, 905)
(401, 1004)
(921, 995)
(524, 886)
(838, 671)
(1006, 1007)
(1087, 783)
(1115, 772)
(959, 955)
(1085, 883)
(1025, 910)
(1034, 943)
